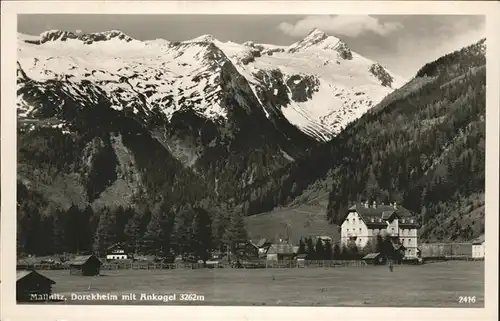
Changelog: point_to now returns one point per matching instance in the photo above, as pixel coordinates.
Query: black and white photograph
(256, 160)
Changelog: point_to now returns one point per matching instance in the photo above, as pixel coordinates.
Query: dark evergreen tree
(328, 251)
(337, 254)
(202, 234)
(319, 250)
(106, 234)
(346, 253)
(236, 231)
(311, 254)
(302, 247)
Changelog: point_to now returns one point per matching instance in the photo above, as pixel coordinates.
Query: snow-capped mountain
(317, 85)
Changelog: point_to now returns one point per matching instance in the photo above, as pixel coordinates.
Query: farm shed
(478, 247)
(279, 252)
(32, 286)
(374, 258)
(87, 265)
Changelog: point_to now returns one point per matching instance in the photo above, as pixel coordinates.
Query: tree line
(320, 250)
(165, 231)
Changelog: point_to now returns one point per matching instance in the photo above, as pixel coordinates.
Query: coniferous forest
(112, 181)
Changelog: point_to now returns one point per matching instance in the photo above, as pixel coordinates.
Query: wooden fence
(245, 265)
(446, 249)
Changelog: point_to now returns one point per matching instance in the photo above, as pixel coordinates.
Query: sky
(402, 43)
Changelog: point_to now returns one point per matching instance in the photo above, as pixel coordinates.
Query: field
(300, 221)
(429, 285)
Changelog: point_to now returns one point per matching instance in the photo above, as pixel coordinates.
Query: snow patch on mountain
(318, 84)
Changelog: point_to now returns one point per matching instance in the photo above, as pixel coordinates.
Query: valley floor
(429, 285)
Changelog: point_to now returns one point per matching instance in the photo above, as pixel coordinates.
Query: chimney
(374, 204)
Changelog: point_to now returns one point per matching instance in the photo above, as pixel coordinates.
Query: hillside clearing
(302, 221)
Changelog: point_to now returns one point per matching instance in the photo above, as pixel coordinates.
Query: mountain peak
(316, 32)
(87, 38)
(203, 38)
(314, 38)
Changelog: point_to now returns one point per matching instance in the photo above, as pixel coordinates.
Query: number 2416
(466, 299)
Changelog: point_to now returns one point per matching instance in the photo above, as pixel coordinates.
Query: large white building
(364, 222)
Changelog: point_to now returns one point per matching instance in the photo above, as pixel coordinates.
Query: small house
(27, 263)
(478, 247)
(87, 265)
(301, 260)
(246, 249)
(280, 252)
(32, 286)
(116, 252)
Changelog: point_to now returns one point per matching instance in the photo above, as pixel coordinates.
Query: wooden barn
(281, 252)
(32, 286)
(87, 265)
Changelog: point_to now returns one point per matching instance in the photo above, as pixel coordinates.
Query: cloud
(351, 26)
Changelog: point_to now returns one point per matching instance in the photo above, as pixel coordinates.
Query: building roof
(82, 259)
(253, 244)
(479, 240)
(282, 249)
(371, 256)
(262, 242)
(114, 246)
(23, 274)
(374, 217)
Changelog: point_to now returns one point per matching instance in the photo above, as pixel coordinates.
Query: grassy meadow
(429, 285)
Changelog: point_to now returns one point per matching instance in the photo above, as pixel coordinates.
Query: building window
(409, 241)
(360, 230)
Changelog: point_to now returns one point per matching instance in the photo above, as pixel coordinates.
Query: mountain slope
(232, 114)
(423, 146)
(317, 84)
